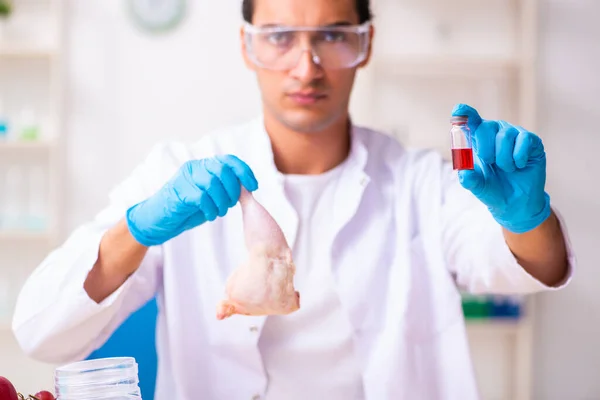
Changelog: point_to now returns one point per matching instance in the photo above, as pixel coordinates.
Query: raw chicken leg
(264, 284)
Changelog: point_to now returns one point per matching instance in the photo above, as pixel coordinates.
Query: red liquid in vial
(462, 158)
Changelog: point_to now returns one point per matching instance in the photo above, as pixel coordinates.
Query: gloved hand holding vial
(504, 166)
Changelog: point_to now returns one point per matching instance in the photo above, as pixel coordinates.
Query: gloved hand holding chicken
(204, 190)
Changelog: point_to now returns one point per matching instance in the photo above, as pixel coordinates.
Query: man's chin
(307, 122)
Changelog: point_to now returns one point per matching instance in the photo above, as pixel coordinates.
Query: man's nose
(307, 68)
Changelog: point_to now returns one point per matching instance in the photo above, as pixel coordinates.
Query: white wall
(568, 333)
(128, 91)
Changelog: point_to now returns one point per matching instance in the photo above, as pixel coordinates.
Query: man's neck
(308, 153)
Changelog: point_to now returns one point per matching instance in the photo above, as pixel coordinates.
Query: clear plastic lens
(331, 48)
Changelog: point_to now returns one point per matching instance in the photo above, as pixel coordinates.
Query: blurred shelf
(496, 326)
(25, 146)
(26, 50)
(445, 66)
(20, 235)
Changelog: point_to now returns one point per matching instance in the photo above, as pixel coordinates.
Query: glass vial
(100, 379)
(462, 147)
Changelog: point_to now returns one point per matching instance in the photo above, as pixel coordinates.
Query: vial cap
(459, 119)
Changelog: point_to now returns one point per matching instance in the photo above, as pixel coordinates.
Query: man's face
(307, 97)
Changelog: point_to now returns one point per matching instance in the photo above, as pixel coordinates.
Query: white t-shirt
(313, 347)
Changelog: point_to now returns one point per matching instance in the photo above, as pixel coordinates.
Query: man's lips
(306, 98)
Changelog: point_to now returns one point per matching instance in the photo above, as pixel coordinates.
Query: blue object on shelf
(3, 129)
(136, 337)
(505, 307)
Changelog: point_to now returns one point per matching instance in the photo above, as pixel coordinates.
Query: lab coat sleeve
(55, 320)
(475, 249)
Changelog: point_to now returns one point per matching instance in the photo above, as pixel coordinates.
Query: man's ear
(249, 64)
(369, 49)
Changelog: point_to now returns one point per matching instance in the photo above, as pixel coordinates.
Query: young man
(381, 238)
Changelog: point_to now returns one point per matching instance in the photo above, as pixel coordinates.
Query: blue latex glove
(510, 172)
(200, 191)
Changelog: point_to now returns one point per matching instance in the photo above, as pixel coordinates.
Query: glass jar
(101, 379)
(462, 146)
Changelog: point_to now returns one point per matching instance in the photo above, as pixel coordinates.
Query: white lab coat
(407, 233)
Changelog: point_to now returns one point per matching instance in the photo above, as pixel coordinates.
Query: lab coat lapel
(353, 182)
(378, 340)
(347, 198)
(383, 350)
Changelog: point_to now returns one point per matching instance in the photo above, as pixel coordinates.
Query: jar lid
(100, 371)
(97, 364)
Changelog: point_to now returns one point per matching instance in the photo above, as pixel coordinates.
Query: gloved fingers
(527, 146)
(209, 190)
(186, 187)
(484, 141)
(208, 206)
(472, 180)
(231, 185)
(505, 147)
(228, 197)
(215, 188)
(241, 170)
(464, 110)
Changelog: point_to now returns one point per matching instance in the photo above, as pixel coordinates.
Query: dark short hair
(363, 8)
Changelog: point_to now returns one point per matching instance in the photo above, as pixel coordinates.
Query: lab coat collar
(355, 164)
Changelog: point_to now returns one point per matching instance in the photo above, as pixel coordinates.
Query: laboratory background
(88, 87)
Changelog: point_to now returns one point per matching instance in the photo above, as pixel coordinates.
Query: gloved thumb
(472, 180)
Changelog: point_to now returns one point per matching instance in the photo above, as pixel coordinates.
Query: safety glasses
(281, 47)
